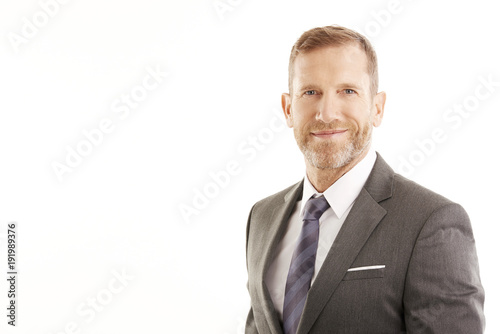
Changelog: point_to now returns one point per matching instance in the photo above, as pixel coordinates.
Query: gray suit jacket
(430, 283)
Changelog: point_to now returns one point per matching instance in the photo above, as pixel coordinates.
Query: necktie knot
(315, 207)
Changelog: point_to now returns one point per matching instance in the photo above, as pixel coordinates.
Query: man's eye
(349, 91)
(310, 92)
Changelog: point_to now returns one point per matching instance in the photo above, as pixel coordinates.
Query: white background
(119, 209)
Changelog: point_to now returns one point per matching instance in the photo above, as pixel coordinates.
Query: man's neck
(322, 179)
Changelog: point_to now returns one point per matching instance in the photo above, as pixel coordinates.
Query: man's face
(331, 108)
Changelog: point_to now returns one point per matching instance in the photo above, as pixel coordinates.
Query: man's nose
(329, 108)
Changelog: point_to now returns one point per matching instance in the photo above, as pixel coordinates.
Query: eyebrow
(307, 87)
(350, 85)
(342, 84)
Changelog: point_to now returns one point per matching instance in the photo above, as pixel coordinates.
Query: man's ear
(379, 104)
(286, 104)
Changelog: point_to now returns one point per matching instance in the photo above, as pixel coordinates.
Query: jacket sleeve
(250, 324)
(443, 291)
(250, 327)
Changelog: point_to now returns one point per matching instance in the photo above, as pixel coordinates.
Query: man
(354, 247)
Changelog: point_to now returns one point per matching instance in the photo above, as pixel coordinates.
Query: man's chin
(335, 158)
(330, 165)
(328, 162)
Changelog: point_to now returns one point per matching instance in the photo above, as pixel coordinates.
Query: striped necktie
(301, 269)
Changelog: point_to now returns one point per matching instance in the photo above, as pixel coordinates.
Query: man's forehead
(350, 52)
(345, 60)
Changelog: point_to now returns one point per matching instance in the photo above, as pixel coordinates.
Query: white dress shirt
(340, 196)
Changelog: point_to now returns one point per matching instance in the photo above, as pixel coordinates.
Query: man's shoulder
(289, 193)
(385, 184)
(417, 193)
(411, 199)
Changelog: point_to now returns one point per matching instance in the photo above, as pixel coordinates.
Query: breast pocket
(364, 273)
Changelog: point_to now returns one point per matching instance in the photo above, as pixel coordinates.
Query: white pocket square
(379, 266)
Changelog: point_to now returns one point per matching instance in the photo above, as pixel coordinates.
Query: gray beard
(320, 158)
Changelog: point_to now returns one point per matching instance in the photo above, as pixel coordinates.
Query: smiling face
(331, 108)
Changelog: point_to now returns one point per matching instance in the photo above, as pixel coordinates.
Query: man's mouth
(328, 133)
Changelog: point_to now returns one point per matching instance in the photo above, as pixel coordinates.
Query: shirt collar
(344, 191)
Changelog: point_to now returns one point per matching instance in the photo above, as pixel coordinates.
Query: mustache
(322, 126)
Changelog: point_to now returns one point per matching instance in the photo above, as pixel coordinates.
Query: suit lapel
(363, 218)
(275, 228)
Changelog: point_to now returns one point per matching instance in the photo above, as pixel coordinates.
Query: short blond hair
(334, 36)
